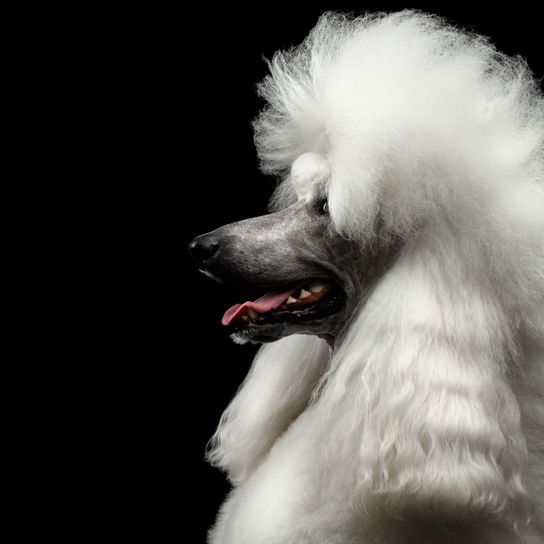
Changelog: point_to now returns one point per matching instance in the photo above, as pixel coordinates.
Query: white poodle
(399, 398)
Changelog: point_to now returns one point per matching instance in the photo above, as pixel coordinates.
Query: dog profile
(399, 394)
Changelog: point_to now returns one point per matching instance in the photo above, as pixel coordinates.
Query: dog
(399, 394)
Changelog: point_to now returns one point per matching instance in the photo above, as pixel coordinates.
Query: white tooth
(317, 287)
(244, 317)
(252, 314)
(304, 294)
(290, 300)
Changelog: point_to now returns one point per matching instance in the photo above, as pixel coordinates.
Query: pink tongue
(272, 300)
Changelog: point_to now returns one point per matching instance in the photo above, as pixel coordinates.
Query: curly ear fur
(420, 386)
(275, 391)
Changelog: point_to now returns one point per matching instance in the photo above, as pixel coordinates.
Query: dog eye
(323, 207)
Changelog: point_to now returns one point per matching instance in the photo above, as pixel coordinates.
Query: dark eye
(323, 207)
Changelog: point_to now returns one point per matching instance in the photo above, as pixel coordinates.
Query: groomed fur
(276, 390)
(431, 404)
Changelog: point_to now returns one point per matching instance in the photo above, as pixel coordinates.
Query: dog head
(310, 278)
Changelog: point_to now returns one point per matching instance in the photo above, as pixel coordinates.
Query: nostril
(203, 248)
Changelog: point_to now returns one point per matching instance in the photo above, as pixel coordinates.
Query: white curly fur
(427, 423)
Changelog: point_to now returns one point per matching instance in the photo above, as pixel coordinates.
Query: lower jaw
(263, 335)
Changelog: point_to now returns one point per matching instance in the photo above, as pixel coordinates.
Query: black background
(218, 181)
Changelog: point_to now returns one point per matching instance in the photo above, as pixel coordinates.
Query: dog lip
(266, 323)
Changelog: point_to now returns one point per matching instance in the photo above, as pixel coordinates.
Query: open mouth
(300, 301)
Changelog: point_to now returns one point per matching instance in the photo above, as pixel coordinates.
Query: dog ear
(276, 390)
(421, 385)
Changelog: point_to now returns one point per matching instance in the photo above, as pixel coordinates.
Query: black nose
(203, 248)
